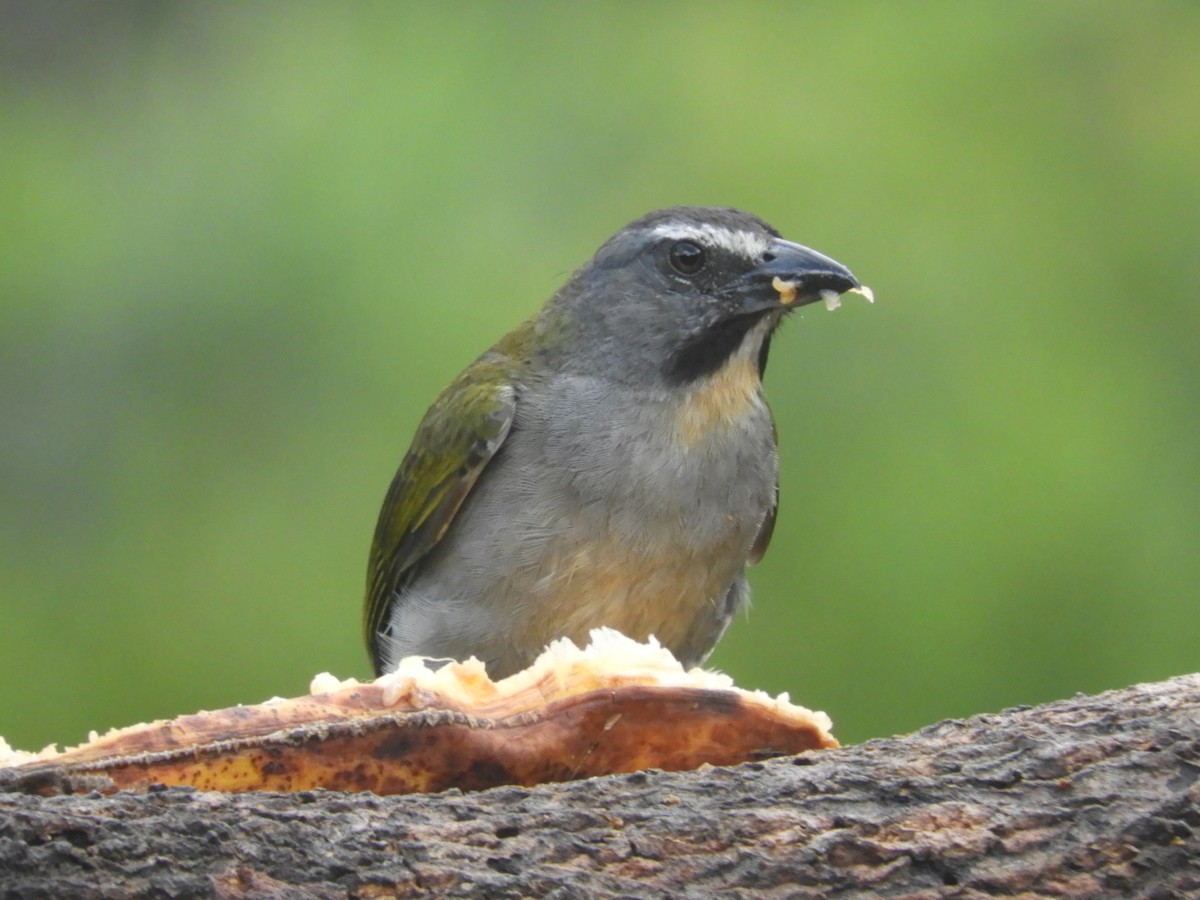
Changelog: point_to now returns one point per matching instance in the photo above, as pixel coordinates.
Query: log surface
(1096, 796)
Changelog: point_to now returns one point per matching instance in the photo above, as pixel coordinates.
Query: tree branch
(1093, 796)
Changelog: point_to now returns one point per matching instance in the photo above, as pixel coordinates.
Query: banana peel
(615, 706)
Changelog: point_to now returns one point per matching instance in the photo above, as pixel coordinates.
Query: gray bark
(1096, 796)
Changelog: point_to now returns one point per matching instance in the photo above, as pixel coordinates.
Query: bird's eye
(687, 258)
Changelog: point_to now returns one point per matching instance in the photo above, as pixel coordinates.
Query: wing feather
(455, 441)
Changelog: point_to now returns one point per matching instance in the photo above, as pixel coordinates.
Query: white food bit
(11, 757)
(865, 291)
(609, 651)
(610, 660)
(832, 299)
(327, 684)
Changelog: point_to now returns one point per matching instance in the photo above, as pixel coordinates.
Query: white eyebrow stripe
(743, 243)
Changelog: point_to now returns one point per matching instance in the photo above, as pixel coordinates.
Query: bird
(610, 462)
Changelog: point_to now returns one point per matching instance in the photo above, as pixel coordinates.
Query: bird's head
(671, 297)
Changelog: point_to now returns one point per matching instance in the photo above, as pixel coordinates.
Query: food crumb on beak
(833, 299)
(787, 290)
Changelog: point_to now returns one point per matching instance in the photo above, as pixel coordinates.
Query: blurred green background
(242, 246)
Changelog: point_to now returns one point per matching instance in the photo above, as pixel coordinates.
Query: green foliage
(244, 245)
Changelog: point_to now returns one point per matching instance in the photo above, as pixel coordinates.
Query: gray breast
(589, 466)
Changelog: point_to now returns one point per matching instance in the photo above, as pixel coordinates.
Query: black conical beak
(800, 275)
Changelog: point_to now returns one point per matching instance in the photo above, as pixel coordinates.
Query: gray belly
(594, 513)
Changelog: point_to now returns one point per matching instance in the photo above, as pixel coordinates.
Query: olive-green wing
(458, 436)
